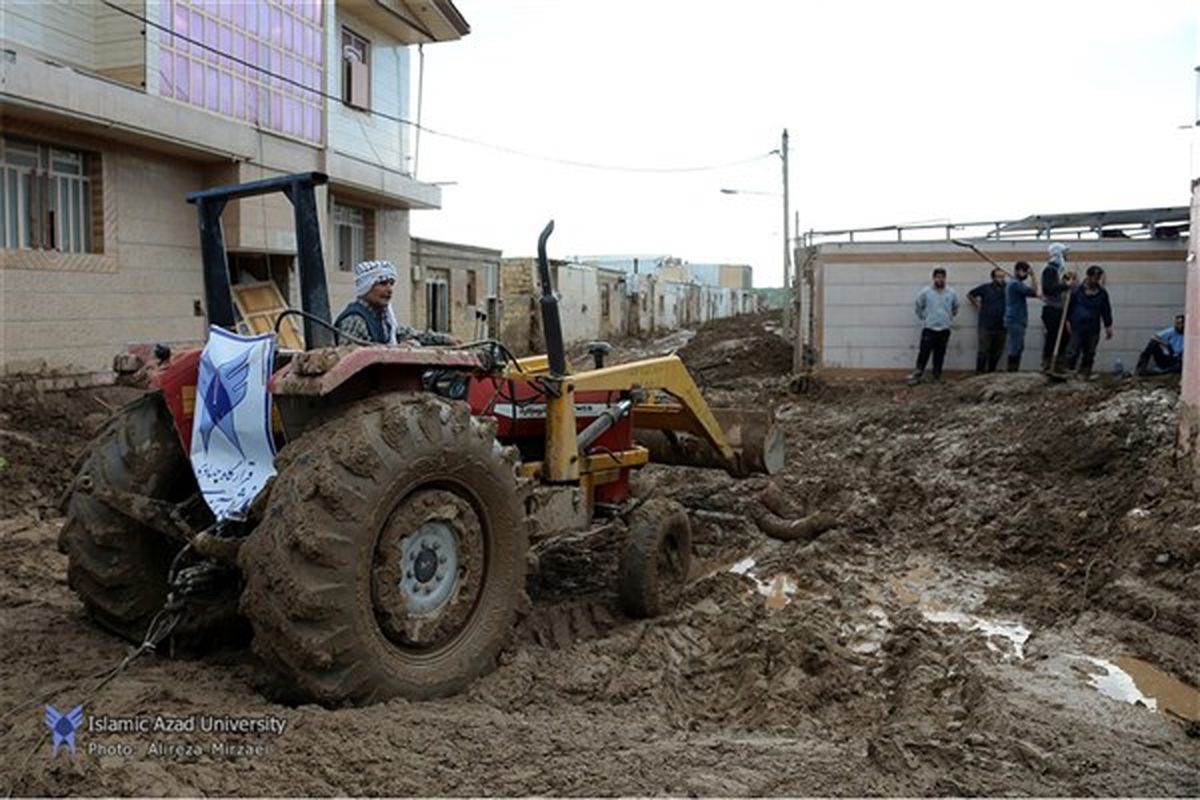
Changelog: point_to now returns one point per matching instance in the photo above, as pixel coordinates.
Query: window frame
(343, 218)
(355, 39)
(55, 204)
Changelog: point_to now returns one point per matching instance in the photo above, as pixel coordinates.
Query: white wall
(866, 295)
(356, 133)
(60, 29)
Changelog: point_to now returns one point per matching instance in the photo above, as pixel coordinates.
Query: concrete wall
(1189, 428)
(83, 33)
(863, 297)
(61, 29)
(120, 43)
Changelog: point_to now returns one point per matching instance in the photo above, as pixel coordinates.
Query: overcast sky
(898, 112)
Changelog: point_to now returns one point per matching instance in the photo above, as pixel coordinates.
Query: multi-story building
(112, 110)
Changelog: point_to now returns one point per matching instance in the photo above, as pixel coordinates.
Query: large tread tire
(657, 558)
(117, 566)
(308, 566)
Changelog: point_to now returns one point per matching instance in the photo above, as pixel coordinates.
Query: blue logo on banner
(63, 726)
(222, 388)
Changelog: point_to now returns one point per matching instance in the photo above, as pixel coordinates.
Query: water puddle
(1003, 636)
(778, 591)
(1134, 681)
(947, 599)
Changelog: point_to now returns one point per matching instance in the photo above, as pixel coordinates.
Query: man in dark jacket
(1089, 308)
(370, 317)
(988, 300)
(1056, 284)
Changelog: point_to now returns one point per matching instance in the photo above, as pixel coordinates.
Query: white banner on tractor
(233, 451)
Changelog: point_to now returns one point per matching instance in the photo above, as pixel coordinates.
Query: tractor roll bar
(314, 291)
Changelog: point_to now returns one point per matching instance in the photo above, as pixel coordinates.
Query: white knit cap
(1057, 249)
(369, 273)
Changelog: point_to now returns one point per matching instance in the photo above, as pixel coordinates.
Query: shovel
(1051, 373)
(981, 254)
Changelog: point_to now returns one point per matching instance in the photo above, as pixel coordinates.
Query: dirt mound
(41, 435)
(726, 350)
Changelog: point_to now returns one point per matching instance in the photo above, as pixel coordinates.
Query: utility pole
(787, 239)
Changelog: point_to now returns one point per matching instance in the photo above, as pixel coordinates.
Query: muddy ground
(1000, 545)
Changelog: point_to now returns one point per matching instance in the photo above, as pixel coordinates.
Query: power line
(426, 129)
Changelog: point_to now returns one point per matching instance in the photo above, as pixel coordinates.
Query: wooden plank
(259, 305)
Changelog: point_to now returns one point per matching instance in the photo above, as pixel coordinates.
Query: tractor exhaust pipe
(556, 353)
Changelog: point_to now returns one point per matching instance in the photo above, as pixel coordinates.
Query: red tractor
(388, 555)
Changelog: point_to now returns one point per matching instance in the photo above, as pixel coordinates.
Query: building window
(354, 232)
(45, 197)
(282, 42)
(472, 288)
(356, 70)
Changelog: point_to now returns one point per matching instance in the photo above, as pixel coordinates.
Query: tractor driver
(370, 317)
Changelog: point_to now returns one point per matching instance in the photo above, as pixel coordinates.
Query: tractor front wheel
(657, 557)
(391, 557)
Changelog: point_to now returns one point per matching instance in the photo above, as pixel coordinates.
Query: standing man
(988, 300)
(1054, 294)
(1165, 350)
(370, 317)
(937, 306)
(1020, 288)
(1089, 308)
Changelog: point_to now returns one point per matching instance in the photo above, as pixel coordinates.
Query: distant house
(456, 289)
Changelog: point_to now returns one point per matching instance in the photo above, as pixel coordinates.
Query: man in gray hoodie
(937, 306)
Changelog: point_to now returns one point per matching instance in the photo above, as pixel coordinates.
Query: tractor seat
(598, 350)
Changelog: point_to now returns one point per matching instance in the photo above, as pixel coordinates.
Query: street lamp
(782, 152)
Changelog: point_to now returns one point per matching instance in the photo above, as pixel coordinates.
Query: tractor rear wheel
(657, 557)
(391, 556)
(117, 566)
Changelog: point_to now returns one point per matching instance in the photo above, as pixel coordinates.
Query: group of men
(1073, 316)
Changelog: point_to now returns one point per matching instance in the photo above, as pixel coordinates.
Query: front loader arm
(668, 374)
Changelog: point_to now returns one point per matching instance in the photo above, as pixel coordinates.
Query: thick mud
(41, 433)
(1002, 546)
